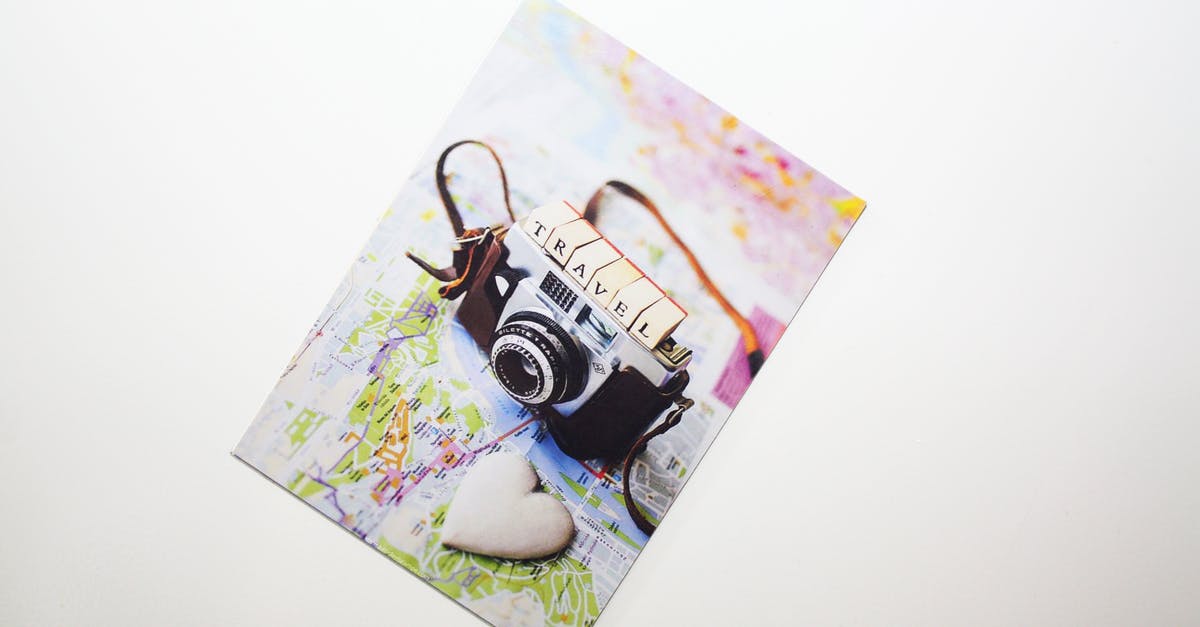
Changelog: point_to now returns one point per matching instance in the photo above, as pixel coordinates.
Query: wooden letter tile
(633, 299)
(589, 258)
(610, 278)
(542, 220)
(566, 238)
(657, 322)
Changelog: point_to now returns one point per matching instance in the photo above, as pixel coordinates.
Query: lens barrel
(536, 361)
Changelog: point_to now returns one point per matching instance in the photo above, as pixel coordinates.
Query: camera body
(582, 336)
(572, 329)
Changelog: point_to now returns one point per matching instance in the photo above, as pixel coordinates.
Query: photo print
(549, 326)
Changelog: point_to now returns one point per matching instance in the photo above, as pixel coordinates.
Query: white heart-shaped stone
(496, 512)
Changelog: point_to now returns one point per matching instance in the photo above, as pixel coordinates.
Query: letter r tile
(566, 238)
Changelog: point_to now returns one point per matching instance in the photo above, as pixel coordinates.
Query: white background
(988, 411)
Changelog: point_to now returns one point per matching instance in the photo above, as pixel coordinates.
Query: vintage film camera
(572, 328)
(584, 335)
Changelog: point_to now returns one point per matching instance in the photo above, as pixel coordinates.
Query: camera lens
(535, 360)
(522, 377)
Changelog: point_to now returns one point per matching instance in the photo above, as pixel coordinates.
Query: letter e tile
(633, 299)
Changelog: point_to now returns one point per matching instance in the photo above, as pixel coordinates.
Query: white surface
(991, 397)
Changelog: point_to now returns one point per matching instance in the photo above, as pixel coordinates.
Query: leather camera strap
(682, 404)
(473, 244)
(444, 189)
(462, 262)
(754, 354)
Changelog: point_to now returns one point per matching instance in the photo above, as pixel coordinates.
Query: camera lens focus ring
(535, 360)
